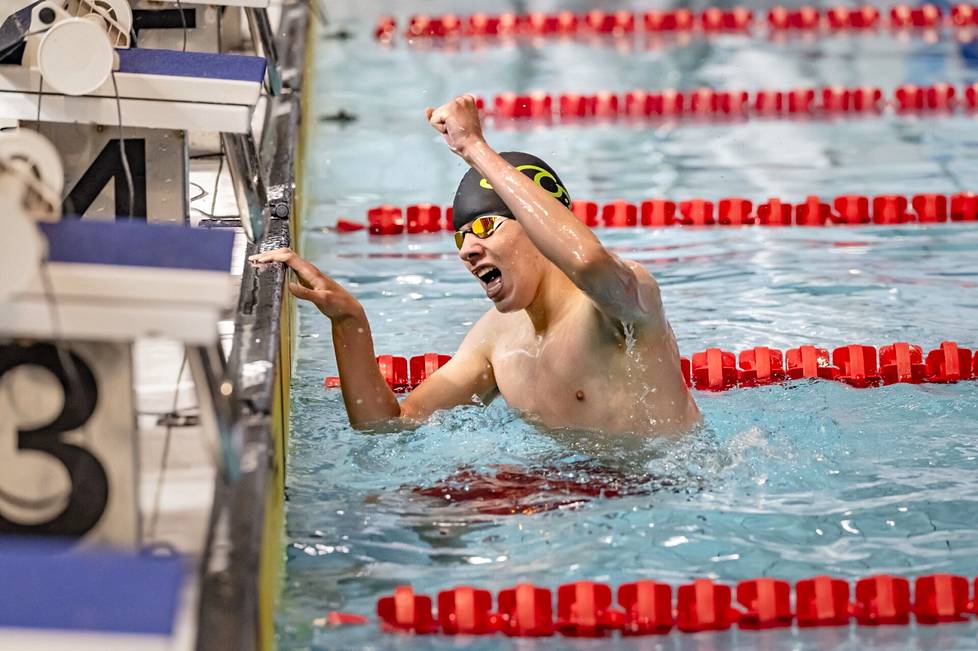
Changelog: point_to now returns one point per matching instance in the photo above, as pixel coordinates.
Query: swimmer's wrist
(354, 317)
(476, 151)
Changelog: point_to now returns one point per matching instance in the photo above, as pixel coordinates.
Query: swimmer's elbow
(594, 269)
(616, 287)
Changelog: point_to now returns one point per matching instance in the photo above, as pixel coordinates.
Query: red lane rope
(646, 607)
(715, 369)
(709, 104)
(843, 210)
(711, 20)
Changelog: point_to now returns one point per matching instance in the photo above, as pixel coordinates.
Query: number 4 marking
(106, 167)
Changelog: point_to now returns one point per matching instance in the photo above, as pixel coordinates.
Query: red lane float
(813, 212)
(586, 211)
(586, 609)
(844, 210)
(809, 362)
(902, 362)
(760, 365)
(941, 598)
(424, 365)
(822, 601)
(708, 103)
(385, 220)
(466, 611)
(424, 218)
(526, 611)
(710, 20)
(406, 611)
(717, 370)
(394, 370)
(619, 213)
(704, 606)
(714, 370)
(648, 608)
(882, 600)
(857, 365)
(766, 603)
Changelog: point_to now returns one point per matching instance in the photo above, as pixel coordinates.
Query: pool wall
(240, 593)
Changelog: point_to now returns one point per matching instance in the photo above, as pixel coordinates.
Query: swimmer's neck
(552, 300)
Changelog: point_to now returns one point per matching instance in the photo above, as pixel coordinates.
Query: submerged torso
(592, 373)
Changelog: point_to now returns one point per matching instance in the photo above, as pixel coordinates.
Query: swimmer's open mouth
(488, 274)
(492, 280)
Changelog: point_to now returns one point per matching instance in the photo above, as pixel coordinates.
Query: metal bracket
(249, 185)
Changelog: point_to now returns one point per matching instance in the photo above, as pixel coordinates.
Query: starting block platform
(53, 598)
(124, 280)
(157, 89)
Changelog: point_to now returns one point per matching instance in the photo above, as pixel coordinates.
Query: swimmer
(576, 337)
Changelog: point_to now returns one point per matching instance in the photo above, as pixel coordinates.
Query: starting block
(158, 89)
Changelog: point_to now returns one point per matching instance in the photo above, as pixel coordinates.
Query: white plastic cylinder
(75, 56)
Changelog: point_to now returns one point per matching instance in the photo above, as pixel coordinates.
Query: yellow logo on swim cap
(541, 173)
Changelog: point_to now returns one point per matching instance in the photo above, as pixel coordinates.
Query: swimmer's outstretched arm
(369, 400)
(623, 290)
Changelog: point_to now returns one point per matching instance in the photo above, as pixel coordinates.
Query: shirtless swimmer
(556, 346)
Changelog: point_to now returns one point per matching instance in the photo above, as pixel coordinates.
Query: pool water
(786, 481)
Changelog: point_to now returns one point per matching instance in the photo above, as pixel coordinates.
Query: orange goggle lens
(482, 228)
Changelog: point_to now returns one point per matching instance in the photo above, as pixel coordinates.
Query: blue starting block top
(45, 586)
(202, 65)
(138, 244)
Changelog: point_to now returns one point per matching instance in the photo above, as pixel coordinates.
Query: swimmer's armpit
(624, 290)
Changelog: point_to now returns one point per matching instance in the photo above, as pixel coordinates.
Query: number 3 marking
(89, 494)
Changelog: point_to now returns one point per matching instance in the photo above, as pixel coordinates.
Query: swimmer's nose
(471, 249)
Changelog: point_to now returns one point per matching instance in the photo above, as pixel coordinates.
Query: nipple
(579, 394)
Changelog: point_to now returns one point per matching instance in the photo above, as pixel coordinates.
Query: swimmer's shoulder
(654, 324)
(485, 333)
(497, 331)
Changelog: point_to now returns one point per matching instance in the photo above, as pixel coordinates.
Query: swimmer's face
(507, 265)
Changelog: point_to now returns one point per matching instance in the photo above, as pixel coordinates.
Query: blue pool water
(786, 481)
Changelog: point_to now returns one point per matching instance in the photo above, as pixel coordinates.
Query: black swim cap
(475, 197)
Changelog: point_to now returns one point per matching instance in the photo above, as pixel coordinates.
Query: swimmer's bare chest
(580, 376)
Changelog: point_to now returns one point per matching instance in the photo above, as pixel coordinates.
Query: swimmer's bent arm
(467, 378)
(369, 400)
(623, 290)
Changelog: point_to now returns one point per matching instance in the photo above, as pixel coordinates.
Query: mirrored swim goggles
(482, 228)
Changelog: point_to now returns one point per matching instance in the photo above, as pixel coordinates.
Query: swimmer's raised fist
(314, 286)
(458, 120)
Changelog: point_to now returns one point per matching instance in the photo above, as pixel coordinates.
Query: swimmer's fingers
(334, 303)
(308, 274)
(275, 255)
(318, 297)
(437, 118)
(303, 292)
